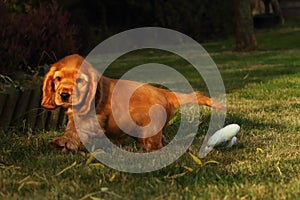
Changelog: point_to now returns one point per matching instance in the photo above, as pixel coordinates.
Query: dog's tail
(176, 99)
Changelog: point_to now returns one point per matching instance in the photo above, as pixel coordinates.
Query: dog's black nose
(64, 96)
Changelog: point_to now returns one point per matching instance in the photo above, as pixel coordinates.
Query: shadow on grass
(248, 124)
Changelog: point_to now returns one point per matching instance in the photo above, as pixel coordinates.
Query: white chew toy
(231, 142)
(224, 137)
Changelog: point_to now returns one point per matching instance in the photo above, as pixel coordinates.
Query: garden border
(21, 108)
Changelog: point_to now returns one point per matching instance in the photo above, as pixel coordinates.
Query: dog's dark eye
(58, 78)
(79, 80)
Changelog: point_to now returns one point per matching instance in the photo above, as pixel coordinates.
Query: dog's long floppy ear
(48, 90)
(92, 88)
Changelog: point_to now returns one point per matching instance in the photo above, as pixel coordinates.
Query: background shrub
(34, 36)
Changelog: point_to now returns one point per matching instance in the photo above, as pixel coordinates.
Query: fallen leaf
(196, 159)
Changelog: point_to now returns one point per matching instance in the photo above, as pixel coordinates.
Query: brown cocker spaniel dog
(73, 84)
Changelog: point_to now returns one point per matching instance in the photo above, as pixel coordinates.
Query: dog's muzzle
(65, 96)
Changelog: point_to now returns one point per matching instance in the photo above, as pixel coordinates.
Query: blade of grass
(67, 168)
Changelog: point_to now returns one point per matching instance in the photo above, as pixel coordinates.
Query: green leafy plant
(6, 81)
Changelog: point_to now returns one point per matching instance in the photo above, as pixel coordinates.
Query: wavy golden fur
(74, 84)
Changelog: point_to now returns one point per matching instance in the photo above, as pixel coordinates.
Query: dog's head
(71, 83)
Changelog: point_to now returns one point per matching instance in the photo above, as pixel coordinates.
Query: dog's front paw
(66, 144)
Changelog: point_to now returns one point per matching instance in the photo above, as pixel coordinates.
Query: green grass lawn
(262, 96)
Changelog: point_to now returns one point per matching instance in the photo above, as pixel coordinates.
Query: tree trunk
(277, 10)
(245, 37)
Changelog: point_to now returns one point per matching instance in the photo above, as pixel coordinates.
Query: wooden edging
(22, 109)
